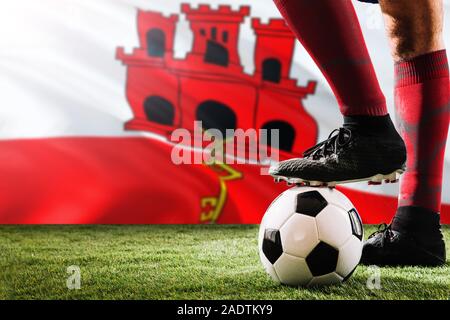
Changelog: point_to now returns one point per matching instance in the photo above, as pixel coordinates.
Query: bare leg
(414, 27)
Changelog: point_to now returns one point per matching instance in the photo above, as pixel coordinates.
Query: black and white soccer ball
(310, 237)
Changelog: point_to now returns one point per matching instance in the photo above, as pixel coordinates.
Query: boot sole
(377, 179)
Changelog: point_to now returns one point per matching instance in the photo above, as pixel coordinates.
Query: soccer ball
(310, 237)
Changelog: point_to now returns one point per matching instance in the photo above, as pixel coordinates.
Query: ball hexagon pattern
(271, 246)
(310, 237)
(323, 259)
(310, 203)
(334, 225)
(299, 235)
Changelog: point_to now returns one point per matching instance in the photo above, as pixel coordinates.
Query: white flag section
(64, 80)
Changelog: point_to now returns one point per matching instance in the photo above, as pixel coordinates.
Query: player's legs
(368, 146)
(422, 98)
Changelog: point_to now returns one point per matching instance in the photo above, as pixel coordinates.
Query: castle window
(287, 134)
(216, 115)
(271, 70)
(214, 33)
(216, 54)
(156, 43)
(159, 110)
(202, 32)
(225, 36)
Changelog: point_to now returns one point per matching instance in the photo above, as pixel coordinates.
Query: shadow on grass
(395, 284)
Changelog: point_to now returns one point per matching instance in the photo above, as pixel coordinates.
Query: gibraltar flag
(91, 90)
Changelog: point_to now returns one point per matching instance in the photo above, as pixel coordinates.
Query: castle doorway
(271, 70)
(156, 43)
(159, 110)
(216, 115)
(216, 54)
(286, 131)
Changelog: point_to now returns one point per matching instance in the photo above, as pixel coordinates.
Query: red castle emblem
(210, 85)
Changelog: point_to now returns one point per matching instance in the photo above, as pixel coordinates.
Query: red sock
(330, 31)
(423, 105)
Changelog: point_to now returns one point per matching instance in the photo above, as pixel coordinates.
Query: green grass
(175, 262)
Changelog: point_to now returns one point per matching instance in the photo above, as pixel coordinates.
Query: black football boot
(366, 149)
(418, 242)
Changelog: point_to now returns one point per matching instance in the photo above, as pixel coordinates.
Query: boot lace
(337, 139)
(386, 231)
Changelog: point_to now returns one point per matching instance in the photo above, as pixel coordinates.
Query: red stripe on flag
(133, 181)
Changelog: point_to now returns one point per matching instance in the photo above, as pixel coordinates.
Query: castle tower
(154, 103)
(156, 38)
(274, 51)
(216, 33)
(156, 33)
